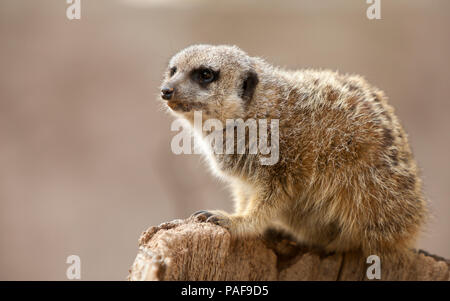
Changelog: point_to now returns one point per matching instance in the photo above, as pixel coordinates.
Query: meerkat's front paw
(217, 217)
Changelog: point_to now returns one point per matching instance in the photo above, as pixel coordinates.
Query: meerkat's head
(218, 80)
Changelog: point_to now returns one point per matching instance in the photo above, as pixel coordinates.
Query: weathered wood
(191, 250)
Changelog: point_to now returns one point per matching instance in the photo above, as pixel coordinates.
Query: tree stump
(192, 250)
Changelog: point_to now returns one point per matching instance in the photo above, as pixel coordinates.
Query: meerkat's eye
(204, 76)
(173, 70)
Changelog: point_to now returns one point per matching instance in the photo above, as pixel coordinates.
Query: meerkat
(346, 178)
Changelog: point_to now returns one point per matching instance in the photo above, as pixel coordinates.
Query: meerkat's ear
(249, 85)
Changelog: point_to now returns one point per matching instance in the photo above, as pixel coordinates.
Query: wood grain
(192, 250)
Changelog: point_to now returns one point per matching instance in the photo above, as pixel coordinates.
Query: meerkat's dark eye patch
(172, 71)
(249, 86)
(204, 76)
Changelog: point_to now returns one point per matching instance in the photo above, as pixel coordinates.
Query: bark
(191, 250)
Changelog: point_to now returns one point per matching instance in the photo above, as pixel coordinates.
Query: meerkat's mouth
(175, 106)
(184, 106)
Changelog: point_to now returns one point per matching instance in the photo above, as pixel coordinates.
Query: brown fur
(346, 178)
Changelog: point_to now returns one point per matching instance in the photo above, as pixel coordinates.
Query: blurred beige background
(85, 159)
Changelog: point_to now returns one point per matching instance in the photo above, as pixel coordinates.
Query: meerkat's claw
(201, 215)
(214, 217)
(219, 220)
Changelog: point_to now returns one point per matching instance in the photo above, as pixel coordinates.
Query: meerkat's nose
(166, 93)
